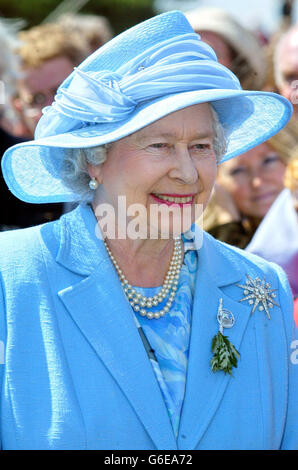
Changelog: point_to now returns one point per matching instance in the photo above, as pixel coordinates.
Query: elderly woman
(123, 326)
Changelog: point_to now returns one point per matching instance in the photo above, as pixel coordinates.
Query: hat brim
(32, 170)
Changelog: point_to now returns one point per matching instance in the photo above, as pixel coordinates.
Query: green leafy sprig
(224, 354)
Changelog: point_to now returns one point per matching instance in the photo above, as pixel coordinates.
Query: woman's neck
(144, 262)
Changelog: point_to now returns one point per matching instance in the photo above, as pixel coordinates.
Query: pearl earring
(93, 184)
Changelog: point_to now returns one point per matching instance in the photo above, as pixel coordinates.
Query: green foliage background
(121, 13)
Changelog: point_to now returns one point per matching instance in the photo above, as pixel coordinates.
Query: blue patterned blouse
(169, 338)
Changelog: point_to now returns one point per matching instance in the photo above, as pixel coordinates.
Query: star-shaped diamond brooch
(258, 293)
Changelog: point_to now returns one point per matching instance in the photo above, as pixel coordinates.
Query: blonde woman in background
(250, 207)
(246, 187)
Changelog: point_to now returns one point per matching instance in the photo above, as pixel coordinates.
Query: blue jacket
(75, 373)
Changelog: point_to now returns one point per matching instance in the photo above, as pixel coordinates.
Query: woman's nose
(184, 168)
(256, 181)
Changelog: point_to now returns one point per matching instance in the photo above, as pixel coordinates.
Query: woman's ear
(95, 171)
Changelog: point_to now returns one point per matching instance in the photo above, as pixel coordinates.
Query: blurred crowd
(255, 202)
(254, 205)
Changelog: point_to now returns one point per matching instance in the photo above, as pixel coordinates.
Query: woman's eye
(201, 146)
(159, 145)
(291, 78)
(271, 159)
(238, 171)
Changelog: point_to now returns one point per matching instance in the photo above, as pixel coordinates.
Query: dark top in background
(15, 213)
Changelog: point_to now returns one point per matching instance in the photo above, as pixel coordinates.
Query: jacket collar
(100, 309)
(82, 250)
(215, 258)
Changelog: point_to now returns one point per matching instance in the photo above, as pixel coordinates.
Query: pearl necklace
(169, 288)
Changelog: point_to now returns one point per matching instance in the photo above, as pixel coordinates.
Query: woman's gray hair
(75, 173)
(220, 141)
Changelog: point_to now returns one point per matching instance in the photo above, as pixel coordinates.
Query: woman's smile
(165, 164)
(120, 323)
(174, 199)
(265, 197)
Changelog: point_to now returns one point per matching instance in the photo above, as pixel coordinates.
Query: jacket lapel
(101, 311)
(204, 388)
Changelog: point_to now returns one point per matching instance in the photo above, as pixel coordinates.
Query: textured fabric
(76, 373)
(147, 72)
(169, 338)
(183, 64)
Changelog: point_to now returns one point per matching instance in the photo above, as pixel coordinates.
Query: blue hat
(147, 72)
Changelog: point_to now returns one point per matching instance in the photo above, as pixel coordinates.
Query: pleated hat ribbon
(94, 97)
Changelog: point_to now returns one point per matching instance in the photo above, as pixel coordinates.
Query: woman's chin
(169, 228)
